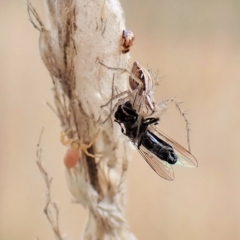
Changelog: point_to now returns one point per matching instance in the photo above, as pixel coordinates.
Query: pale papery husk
(79, 34)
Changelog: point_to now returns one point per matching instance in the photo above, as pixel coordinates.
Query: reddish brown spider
(73, 153)
(127, 40)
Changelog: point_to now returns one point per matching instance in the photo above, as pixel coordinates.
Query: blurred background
(195, 45)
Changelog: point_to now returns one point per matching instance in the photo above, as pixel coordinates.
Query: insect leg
(145, 123)
(122, 129)
(149, 121)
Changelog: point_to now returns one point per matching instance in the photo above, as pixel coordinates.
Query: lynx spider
(140, 82)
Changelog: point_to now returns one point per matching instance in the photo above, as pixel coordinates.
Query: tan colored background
(196, 47)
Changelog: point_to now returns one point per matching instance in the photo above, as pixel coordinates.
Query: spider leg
(85, 147)
(92, 141)
(120, 101)
(115, 97)
(89, 154)
(163, 106)
(123, 71)
(63, 138)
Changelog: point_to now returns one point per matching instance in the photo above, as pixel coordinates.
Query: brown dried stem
(49, 203)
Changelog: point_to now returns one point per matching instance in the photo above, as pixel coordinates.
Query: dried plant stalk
(77, 34)
(51, 209)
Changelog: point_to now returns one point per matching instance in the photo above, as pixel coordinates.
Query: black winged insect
(159, 150)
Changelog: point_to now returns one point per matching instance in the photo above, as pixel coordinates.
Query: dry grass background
(196, 47)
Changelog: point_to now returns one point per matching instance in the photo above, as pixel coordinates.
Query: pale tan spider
(78, 144)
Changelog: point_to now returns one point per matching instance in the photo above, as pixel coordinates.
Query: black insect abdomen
(159, 148)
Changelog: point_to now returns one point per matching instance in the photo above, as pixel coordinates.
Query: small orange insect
(127, 40)
(72, 155)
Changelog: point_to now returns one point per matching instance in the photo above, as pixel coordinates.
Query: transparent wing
(185, 158)
(162, 168)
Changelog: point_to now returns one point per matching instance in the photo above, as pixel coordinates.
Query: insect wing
(185, 158)
(162, 168)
